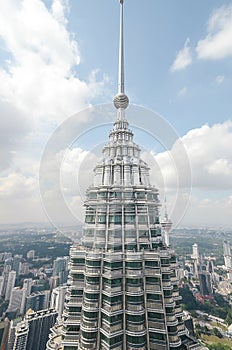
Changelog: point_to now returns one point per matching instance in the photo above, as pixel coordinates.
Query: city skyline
(182, 71)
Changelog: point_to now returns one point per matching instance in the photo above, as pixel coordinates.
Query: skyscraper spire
(121, 89)
(166, 224)
(121, 101)
(165, 208)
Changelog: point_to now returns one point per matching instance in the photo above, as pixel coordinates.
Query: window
(154, 297)
(135, 318)
(152, 263)
(141, 209)
(134, 264)
(90, 219)
(129, 218)
(116, 219)
(112, 300)
(93, 280)
(113, 282)
(131, 246)
(88, 314)
(117, 195)
(155, 232)
(101, 218)
(102, 195)
(129, 195)
(135, 299)
(89, 335)
(91, 296)
(141, 195)
(136, 339)
(165, 262)
(156, 316)
(142, 219)
(157, 336)
(92, 195)
(93, 263)
(114, 265)
(152, 280)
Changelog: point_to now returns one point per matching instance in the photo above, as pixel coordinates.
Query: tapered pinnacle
(121, 100)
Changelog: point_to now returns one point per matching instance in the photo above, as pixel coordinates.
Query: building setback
(122, 287)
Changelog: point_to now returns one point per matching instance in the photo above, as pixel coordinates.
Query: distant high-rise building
(27, 285)
(205, 283)
(122, 286)
(229, 275)
(17, 300)
(32, 332)
(5, 275)
(210, 268)
(60, 268)
(10, 284)
(8, 264)
(227, 254)
(24, 268)
(4, 332)
(16, 264)
(7, 255)
(1, 285)
(37, 301)
(54, 281)
(31, 254)
(39, 324)
(19, 340)
(195, 253)
(58, 298)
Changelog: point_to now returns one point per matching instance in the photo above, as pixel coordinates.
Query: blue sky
(58, 57)
(154, 32)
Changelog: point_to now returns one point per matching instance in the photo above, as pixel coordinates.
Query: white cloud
(39, 88)
(220, 79)
(217, 44)
(210, 155)
(16, 185)
(183, 58)
(39, 77)
(13, 128)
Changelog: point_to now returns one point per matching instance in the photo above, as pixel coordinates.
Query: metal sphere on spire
(121, 101)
